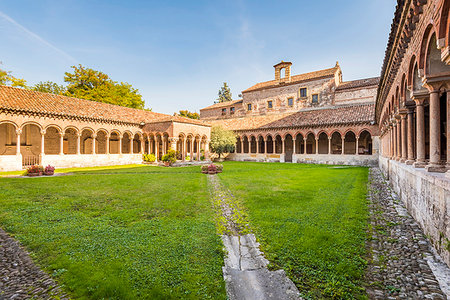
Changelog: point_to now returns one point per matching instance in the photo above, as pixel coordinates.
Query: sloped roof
(294, 79)
(28, 101)
(337, 115)
(358, 83)
(222, 104)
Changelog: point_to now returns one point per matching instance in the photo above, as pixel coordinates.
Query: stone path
(20, 278)
(245, 271)
(401, 255)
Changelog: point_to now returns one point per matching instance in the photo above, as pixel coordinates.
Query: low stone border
(20, 278)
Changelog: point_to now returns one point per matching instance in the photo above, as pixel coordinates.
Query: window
(224, 111)
(249, 106)
(231, 110)
(269, 104)
(291, 101)
(303, 93)
(315, 98)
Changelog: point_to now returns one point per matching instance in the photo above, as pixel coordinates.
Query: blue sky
(178, 53)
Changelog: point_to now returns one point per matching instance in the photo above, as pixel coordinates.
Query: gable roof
(331, 116)
(28, 101)
(358, 83)
(294, 79)
(222, 104)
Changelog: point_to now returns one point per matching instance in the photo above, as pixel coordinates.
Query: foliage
(7, 79)
(34, 170)
(311, 221)
(170, 156)
(222, 140)
(86, 83)
(49, 87)
(49, 169)
(190, 115)
(212, 168)
(224, 94)
(188, 157)
(149, 157)
(139, 233)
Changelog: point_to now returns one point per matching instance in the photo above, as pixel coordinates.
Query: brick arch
(88, 128)
(267, 135)
(31, 123)
(116, 131)
(10, 122)
(411, 66)
(429, 31)
(349, 130)
(104, 130)
(55, 126)
(364, 129)
(129, 133)
(335, 130)
(397, 97)
(310, 132)
(300, 132)
(322, 131)
(443, 29)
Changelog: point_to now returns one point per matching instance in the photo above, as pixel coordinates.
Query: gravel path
(401, 255)
(20, 278)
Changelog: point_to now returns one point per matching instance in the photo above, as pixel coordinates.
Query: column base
(436, 168)
(409, 162)
(402, 160)
(447, 174)
(420, 164)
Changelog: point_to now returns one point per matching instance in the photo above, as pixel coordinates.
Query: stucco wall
(427, 198)
(87, 160)
(353, 96)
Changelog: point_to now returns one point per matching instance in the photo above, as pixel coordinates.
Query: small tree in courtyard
(222, 141)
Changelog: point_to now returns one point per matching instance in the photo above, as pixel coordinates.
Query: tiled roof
(222, 104)
(359, 83)
(294, 79)
(332, 116)
(28, 101)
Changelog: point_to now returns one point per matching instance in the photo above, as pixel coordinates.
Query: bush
(49, 170)
(170, 156)
(149, 157)
(188, 157)
(212, 169)
(34, 170)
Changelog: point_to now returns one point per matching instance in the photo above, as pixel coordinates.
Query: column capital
(18, 131)
(329, 137)
(93, 135)
(43, 131)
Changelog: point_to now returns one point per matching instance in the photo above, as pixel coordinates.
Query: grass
(119, 233)
(71, 170)
(311, 221)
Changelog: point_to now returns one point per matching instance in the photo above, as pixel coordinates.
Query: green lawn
(311, 221)
(123, 233)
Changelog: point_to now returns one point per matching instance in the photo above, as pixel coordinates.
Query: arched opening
(288, 148)
(269, 144)
(86, 141)
(261, 146)
(299, 144)
(52, 141)
(323, 143)
(350, 143)
(137, 144)
(434, 64)
(100, 142)
(246, 148)
(8, 139)
(30, 141)
(365, 143)
(114, 143)
(336, 143)
(126, 143)
(310, 144)
(278, 145)
(238, 145)
(70, 142)
(159, 146)
(253, 144)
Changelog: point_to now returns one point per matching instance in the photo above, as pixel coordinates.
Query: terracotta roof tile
(331, 116)
(222, 104)
(358, 83)
(294, 79)
(16, 99)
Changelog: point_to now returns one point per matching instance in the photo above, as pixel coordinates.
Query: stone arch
(86, 141)
(349, 142)
(269, 144)
(70, 140)
(310, 143)
(288, 147)
(323, 143)
(433, 62)
(246, 146)
(412, 64)
(299, 143)
(114, 142)
(336, 142)
(253, 144)
(424, 46)
(52, 138)
(365, 142)
(101, 140)
(8, 138)
(278, 144)
(397, 98)
(261, 144)
(238, 144)
(126, 142)
(137, 143)
(31, 140)
(31, 123)
(55, 126)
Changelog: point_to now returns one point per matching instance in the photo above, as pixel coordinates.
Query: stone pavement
(401, 255)
(20, 278)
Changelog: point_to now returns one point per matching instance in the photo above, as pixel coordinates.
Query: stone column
(357, 145)
(207, 148)
(420, 120)
(448, 134)
(295, 146)
(394, 140)
(329, 145)
(78, 143)
(283, 146)
(61, 143)
(304, 145)
(142, 146)
(93, 143)
(265, 146)
(317, 145)
(273, 147)
(120, 144)
(198, 150)
(132, 145)
(173, 143)
(18, 133)
(435, 134)
(42, 142)
(257, 146)
(343, 145)
(410, 136)
(399, 139)
(404, 138)
(107, 143)
(183, 155)
(242, 146)
(249, 146)
(391, 141)
(192, 149)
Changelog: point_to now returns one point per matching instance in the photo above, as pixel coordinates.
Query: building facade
(413, 113)
(313, 117)
(41, 128)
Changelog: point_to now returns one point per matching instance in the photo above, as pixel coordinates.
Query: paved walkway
(245, 271)
(20, 278)
(402, 261)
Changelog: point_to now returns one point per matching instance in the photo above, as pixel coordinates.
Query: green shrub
(170, 156)
(149, 157)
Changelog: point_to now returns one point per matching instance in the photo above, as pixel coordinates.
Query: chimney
(287, 71)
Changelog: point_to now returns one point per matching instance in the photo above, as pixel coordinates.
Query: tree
(90, 84)
(224, 94)
(188, 114)
(7, 79)
(222, 140)
(49, 87)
